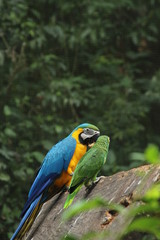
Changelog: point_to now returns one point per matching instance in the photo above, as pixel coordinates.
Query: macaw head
(86, 134)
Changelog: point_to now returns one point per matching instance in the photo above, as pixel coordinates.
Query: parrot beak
(89, 136)
(91, 144)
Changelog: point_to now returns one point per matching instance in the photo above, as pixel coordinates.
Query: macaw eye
(89, 131)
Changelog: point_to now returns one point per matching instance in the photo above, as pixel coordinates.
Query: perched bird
(56, 172)
(88, 167)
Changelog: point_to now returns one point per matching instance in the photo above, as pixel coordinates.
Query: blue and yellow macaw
(56, 172)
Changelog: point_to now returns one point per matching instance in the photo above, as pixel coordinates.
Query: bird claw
(91, 185)
(98, 179)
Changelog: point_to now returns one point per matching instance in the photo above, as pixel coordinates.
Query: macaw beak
(94, 139)
(89, 136)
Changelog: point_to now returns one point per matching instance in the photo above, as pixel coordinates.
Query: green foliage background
(67, 62)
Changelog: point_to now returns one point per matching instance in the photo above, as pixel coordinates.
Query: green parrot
(88, 167)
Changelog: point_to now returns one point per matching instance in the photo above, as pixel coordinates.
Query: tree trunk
(124, 187)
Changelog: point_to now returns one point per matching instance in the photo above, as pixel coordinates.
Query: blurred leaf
(1, 58)
(10, 133)
(47, 144)
(38, 156)
(20, 174)
(144, 224)
(6, 153)
(84, 205)
(153, 193)
(6, 210)
(137, 156)
(4, 177)
(7, 111)
(30, 171)
(152, 154)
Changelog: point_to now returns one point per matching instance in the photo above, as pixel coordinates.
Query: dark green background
(67, 62)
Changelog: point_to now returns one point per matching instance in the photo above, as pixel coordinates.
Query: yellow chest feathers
(79, 152)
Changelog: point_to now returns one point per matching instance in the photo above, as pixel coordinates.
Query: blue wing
(56, 160)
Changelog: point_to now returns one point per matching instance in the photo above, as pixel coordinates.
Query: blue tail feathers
(27, 215)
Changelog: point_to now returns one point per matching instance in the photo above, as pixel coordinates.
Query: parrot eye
(88, 131)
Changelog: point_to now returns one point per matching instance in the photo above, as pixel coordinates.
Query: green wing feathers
(71, 197)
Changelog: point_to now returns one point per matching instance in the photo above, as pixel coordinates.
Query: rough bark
(123, 187)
